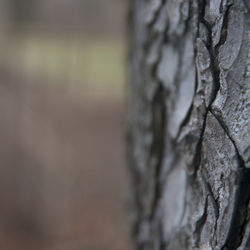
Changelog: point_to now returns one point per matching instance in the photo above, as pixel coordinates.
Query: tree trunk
(189, 124)
(21, 13)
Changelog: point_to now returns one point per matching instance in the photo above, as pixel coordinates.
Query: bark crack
(201, 222)
(158, 144)
(197, 154)
(240, 221)
(151, 32)
(215, 73)
(156, 14)
(210, 193)
(226, 130)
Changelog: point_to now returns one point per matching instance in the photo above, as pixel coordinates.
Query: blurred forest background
(62, 168)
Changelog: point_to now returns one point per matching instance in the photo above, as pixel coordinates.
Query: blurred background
(62, 91)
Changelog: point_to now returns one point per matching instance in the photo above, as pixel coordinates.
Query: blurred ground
(62, 166)
(63, 175)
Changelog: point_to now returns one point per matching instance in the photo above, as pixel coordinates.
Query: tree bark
(189, 124)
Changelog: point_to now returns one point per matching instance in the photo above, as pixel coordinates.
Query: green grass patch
(71, 60)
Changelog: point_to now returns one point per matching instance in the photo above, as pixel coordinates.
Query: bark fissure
(158, 144)
(211, 194)
(156, 14)
(215, 73)
(201, 222)
(224, 127)
(197, 154)
(241, 213)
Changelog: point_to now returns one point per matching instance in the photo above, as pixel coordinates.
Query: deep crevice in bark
(201, 222)
(224, 127)
(158, 144)
(239, 221)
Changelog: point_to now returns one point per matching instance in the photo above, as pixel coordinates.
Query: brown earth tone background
(63, 177)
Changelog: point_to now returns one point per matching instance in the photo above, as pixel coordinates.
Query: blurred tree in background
(61, 96)
(21, 12)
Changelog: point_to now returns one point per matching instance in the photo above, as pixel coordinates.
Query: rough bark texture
(189, 124)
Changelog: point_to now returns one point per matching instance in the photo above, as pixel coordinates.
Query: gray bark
(189, 124)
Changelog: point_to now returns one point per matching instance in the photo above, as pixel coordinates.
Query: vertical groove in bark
(189, 123)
